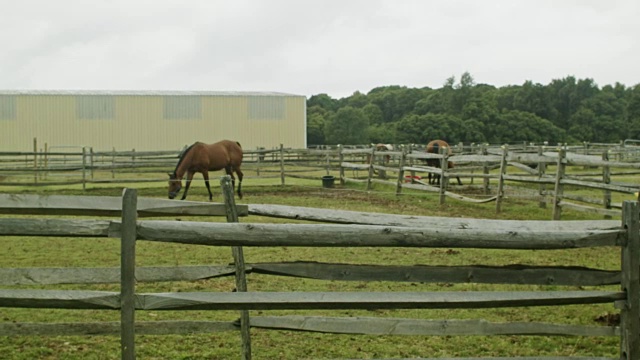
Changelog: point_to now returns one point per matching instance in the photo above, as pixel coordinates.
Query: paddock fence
(561, 177)
(330, 228)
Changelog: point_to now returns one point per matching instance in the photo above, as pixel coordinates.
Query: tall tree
(347, 126)
(633, 112)
(324, 101)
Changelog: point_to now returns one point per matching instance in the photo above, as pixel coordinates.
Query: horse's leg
(240, 176)
(205, 174)
(229, 170)
(459, 182)
(188, 183)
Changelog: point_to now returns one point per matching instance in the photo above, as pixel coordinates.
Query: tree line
(567, 110)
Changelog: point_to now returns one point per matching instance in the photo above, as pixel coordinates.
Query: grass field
(270, 344)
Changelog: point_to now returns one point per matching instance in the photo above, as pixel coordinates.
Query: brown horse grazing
(202, 158)
(434, 147)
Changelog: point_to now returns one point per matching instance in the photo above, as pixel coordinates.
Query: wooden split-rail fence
(345, 229)
(502, 171)
(410, 171)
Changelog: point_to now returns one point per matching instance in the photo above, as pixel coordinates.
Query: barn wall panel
(151, 121)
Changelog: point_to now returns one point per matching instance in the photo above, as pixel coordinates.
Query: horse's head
(175, 185)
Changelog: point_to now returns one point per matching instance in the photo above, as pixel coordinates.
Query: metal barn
(149, 120)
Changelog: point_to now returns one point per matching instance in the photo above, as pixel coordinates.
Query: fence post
(559, 187)
(371, 163)
(503, 170)
(127, 273)
(260, 157)
(84, 168)
(630, 311)
(341, 159)
(606, 179)
(282, 164)
(238, 259)
(113, 163)
(46, 160)
(444, 180)
(328, 164)
(403, 159)
(91, 161)
(485, 169)
(35, 160)
(542, 168)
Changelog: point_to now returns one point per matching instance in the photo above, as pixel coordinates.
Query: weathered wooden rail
(363, 230)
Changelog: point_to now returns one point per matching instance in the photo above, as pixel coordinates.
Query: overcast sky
(304, 47)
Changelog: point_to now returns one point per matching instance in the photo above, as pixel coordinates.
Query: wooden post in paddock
(485, 169)
(84, 168)
(238, 260)
(503, 170)
(630, 309)
(542, 188)
(113, 163)
(35, 160)
(371, 163)
(328, 162)
(46, 160)
(91, 161)
(258, 158)
(559, 187)
(282, 164)
(127, 273)
(606, 179)
(341, 159)
(403, 159)
(444, 166)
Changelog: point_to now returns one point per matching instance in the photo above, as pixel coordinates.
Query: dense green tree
(472, 131)
(462, 93)
(533, 98)
(324, 101)
(382, 133)
(566, 109)
(348, 125)
(395, 101)
(633, 113)
(606, 117)
(442, 127)
(374, 114)
(583, 126)
(518, 126)
(315, 129)
(357, 100)
(410, 128)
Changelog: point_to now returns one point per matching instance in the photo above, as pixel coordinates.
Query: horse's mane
(182, 155)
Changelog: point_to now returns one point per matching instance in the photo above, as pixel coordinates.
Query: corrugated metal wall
(150, 121)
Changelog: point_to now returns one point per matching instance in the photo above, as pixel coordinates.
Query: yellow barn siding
(138, 122)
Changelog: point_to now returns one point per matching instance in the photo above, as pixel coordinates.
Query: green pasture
(272, 344)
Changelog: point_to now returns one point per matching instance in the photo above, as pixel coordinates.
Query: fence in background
(543, 174)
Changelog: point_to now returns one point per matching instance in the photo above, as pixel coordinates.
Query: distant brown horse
(202, 158)
(434, 147)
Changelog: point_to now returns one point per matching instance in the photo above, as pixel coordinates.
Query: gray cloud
(334, 47)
